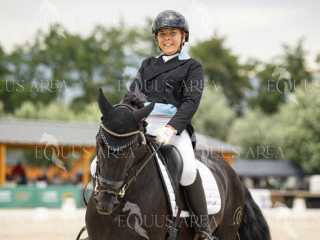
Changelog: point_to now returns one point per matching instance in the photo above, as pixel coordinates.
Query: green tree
(275, 81)
(2, 79)
(24, 80)
(294, 61)
(258, 136)
(301, 129)
(293, 133)
(104, 64)
(53, 111)
(143, 42)
(270, 90)
(318, 58)
(3, 69)
(57, 111)
(27, 110)
(90, 113)
(86, 64)
(222, 67)
(1, 109)
(57, 60)
(214, 115)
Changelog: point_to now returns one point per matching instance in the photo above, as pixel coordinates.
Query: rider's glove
(93, 167)
(164, 134)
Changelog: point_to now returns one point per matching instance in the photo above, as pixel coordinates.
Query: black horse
(129, 200)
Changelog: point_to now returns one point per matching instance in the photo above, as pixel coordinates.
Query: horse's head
(118, 140)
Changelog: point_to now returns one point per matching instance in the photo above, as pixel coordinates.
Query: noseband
(124, 135)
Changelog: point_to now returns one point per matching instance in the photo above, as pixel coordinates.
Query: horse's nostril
(104, 210)
(106, 203)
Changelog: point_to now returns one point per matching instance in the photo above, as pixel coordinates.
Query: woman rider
(174, 82)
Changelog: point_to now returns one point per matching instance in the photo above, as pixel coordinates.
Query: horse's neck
(147, 179)
(148, 191)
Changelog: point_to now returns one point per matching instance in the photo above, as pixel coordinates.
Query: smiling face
(170, 39)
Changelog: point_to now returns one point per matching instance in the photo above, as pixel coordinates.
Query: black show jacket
(177, 82)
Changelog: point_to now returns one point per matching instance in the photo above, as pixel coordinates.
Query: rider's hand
(164, 134)
(93, 166)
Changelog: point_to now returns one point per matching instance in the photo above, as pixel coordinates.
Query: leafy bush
(214, 115)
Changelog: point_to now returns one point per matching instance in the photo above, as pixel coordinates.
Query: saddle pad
(209, 184)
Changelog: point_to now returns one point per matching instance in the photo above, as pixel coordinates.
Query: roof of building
(25, 131)
(266, 168)
(47, 132)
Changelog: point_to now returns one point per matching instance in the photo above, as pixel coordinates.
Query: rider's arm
(191, 94)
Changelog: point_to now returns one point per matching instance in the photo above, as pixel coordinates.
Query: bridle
(123, 135)
(121, 186)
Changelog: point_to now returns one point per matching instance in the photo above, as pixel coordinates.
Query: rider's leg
(192, 184)
(183, 143)
(190, 179)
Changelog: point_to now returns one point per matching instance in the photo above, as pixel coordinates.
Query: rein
(134, 178)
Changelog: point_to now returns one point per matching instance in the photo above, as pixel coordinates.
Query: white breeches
(182, 142)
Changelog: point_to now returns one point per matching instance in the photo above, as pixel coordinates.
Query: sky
(253, 28)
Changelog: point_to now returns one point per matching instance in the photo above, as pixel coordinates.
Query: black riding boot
(197, 204)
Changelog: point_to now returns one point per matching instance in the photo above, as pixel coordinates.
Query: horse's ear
(104, 105)
(143, 112)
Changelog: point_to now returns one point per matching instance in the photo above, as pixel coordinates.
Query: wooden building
(58, 140)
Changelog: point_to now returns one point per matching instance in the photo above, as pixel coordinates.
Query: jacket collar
(158, 66)
(183, 55)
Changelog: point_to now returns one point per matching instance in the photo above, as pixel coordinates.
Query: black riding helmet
(170, 18)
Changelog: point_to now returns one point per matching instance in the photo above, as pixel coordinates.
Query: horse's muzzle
(106, 203)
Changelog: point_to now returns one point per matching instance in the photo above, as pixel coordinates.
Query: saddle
(170, 166)
(173, 162)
